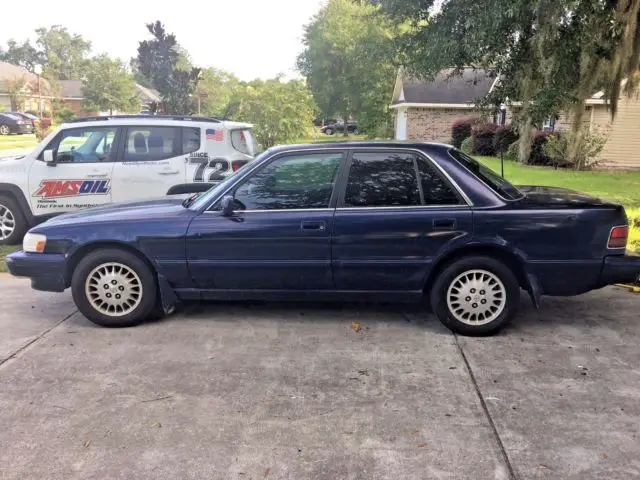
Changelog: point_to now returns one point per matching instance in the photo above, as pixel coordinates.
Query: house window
(549, 124)
(502, 117)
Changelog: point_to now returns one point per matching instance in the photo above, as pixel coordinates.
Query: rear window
(487, 176)
(244, 141)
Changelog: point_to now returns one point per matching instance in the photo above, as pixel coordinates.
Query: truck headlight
(34, 243)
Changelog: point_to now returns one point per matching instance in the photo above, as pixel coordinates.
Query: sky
(249, 38)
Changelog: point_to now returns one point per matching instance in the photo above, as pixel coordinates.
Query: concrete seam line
(483, 404)
(27, 345)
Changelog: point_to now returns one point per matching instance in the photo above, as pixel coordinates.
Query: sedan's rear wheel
(4, 130)
(476, 295)
(114, 288)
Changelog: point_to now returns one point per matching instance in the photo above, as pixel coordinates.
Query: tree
(219, 92)
(64, 54)
(280, 111)
(109, 86)
(551, 56)
(348, 61)
(23, 55)
(167, 67)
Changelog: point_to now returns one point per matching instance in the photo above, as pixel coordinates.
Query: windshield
(488, 176)
(205, 198)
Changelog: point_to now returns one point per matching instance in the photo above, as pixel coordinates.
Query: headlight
(34, 243)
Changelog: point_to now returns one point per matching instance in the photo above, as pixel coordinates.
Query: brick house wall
(434, 124)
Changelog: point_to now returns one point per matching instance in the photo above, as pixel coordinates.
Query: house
(72, 96)
(22, 90)
(426, 110)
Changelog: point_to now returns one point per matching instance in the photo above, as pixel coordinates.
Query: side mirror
(48, 157)
(227, 206)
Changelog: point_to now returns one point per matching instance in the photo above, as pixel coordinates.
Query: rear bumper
(620, 269)
(46, 271)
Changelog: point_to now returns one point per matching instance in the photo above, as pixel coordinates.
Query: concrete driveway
(294, 392)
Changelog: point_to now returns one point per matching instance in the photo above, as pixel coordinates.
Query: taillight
(238, 164)
(618, 237)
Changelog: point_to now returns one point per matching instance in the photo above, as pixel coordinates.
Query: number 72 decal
(219, 166)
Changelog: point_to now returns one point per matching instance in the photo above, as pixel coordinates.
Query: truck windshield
(487, 176)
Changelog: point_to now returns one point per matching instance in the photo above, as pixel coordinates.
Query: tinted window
(488, 176)
(151, 143)
(296, 181)
(84, 145)
(382, 180)
(435, 189)
(190, 140)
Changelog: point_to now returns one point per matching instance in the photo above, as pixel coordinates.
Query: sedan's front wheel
(476, 295)
(114, 288)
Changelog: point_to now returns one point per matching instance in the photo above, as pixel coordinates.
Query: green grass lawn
(10, 142)
(4, 251)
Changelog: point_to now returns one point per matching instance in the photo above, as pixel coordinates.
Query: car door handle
(313, 226)
(98, 175)
(172, 172)
(444, 224)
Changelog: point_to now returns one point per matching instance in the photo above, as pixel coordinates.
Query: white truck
(97, 160)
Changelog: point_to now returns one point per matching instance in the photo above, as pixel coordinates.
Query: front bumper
(46, 271)
(620, 269)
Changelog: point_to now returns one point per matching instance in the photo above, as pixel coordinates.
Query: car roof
(176, 120)
(425, 146)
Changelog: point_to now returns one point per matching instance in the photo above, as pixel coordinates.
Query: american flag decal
(216, 135)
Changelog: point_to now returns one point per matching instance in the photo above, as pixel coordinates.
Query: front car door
(397, 212)
(279, 237)
(80, 175)
(153, 161)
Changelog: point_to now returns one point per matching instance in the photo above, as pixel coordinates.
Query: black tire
(20, 225)
(328, 131)
(451, 272)
(356, 131)
(149, 295)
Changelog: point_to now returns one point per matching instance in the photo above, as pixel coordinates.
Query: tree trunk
(526, 132)
(346, 132)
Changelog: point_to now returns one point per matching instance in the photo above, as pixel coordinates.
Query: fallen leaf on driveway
(267, 472)
(355, 326)
(422, 445)
(604, 456)
(87, 444)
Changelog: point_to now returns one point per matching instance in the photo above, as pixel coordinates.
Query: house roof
(9, 72)
(445, 89)
(148, 94)
(71, 88)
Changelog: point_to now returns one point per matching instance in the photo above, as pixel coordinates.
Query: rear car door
(279, 237)
(153, 161)
(80, 175)
(397, 212)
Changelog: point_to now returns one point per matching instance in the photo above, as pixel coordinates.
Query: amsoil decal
(72, 188)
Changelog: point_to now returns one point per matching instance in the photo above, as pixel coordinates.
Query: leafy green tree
(109, 86)
(167, 67)
(552, 55)
(280, 111)
(64, 54)
(348, 61)
(22, 54)
(220, 92)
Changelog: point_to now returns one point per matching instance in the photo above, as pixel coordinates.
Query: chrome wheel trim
(476, 297)
(7, 222)
(4, 130)
(113, 289)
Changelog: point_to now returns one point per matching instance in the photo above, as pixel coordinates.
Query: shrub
(513, 152)
(557, 148)
(63, 115)
(483, 139)
(537, 155)
(461, 129)
(505, 135)
(467, 145)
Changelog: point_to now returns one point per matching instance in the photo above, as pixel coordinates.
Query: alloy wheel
(7, 222)
(476, 297)
(113, 289)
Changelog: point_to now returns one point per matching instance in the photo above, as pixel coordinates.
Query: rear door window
(151, 143)
(244, 141)
(190, 140)
(382, 179)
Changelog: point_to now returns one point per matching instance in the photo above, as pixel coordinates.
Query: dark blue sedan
(351, 221)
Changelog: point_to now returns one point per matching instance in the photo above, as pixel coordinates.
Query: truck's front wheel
(13, 225)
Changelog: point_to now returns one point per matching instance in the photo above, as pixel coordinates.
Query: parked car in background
(11, 123)
(346, 221)
(29, 118)
(339, 126)
(98, 160)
